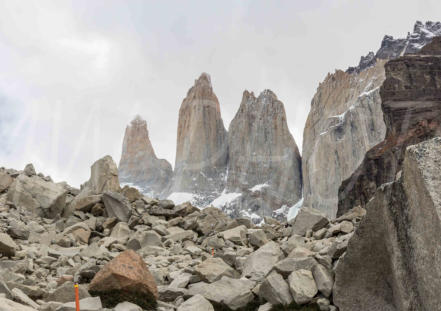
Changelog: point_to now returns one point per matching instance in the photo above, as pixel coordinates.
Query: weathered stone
(7, 245)
(257, 237)
(308, 218)
(259, 263)
(392, 251)
(38, 196)
(103, 176)
(127, 306)
(29, 170)
(302, 286)
(5, 181)
(324, 279)
(84, 203)
(86, 304)
(275, 290)
(233, 293)
(237, 235)
(196, 303)
(121, 232)
(9, 305)
(211, 219)
(125, 278)
(288, 265)
(21, 297)
(117, 206)
(66, 292)
(212, 269)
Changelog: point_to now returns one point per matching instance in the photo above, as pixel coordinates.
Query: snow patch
(182, 197)
(293, 211)
(225, 198)
(259, 187)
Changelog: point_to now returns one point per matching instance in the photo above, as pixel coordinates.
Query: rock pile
(131, 252)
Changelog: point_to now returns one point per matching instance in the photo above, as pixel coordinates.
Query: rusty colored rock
(125, 278)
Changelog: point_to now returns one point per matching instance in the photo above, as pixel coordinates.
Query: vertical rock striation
(202, 150)
(411, 102)
(346, 119)
(264, 161)
(139, 164)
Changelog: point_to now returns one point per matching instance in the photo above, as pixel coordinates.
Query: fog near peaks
(74, 73)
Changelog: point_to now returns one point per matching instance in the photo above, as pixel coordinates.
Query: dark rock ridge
(139, 164)
(201, 152)
(392, 48)
(263, 153)
(411, 102)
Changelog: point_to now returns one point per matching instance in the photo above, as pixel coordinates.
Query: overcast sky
(74, 73)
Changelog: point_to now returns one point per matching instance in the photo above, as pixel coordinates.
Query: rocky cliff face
(201, 152)
(346, 119)
(411, 102)
(392, 262)
(264, 161)
(139, 164)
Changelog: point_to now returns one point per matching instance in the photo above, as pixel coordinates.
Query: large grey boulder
(7, 245)
(275, 290)
(5, 181)
(259, 263)
(324, 279)
(237, 235)
(9, 305)
(393, 261)
(40, 197)
(213, 269)
(86, 304)
(308, 218)
(103, 176)
(233, 293)
(302, 286)
(117, 206)
(196, 303)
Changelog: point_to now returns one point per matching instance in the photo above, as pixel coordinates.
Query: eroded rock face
(411, 102)
(344, 122)
(346, 119)
(39, 197)
(139, 164)
(103, 177)
(202, 152)
(263, 152)
(392, 261)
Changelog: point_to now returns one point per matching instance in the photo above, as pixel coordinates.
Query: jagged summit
(139, 164)
(392, 48)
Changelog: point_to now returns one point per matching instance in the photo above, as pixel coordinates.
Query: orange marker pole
(212, 252)
(77, 297)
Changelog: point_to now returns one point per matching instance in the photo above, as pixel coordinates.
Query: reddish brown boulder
(125, 278)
